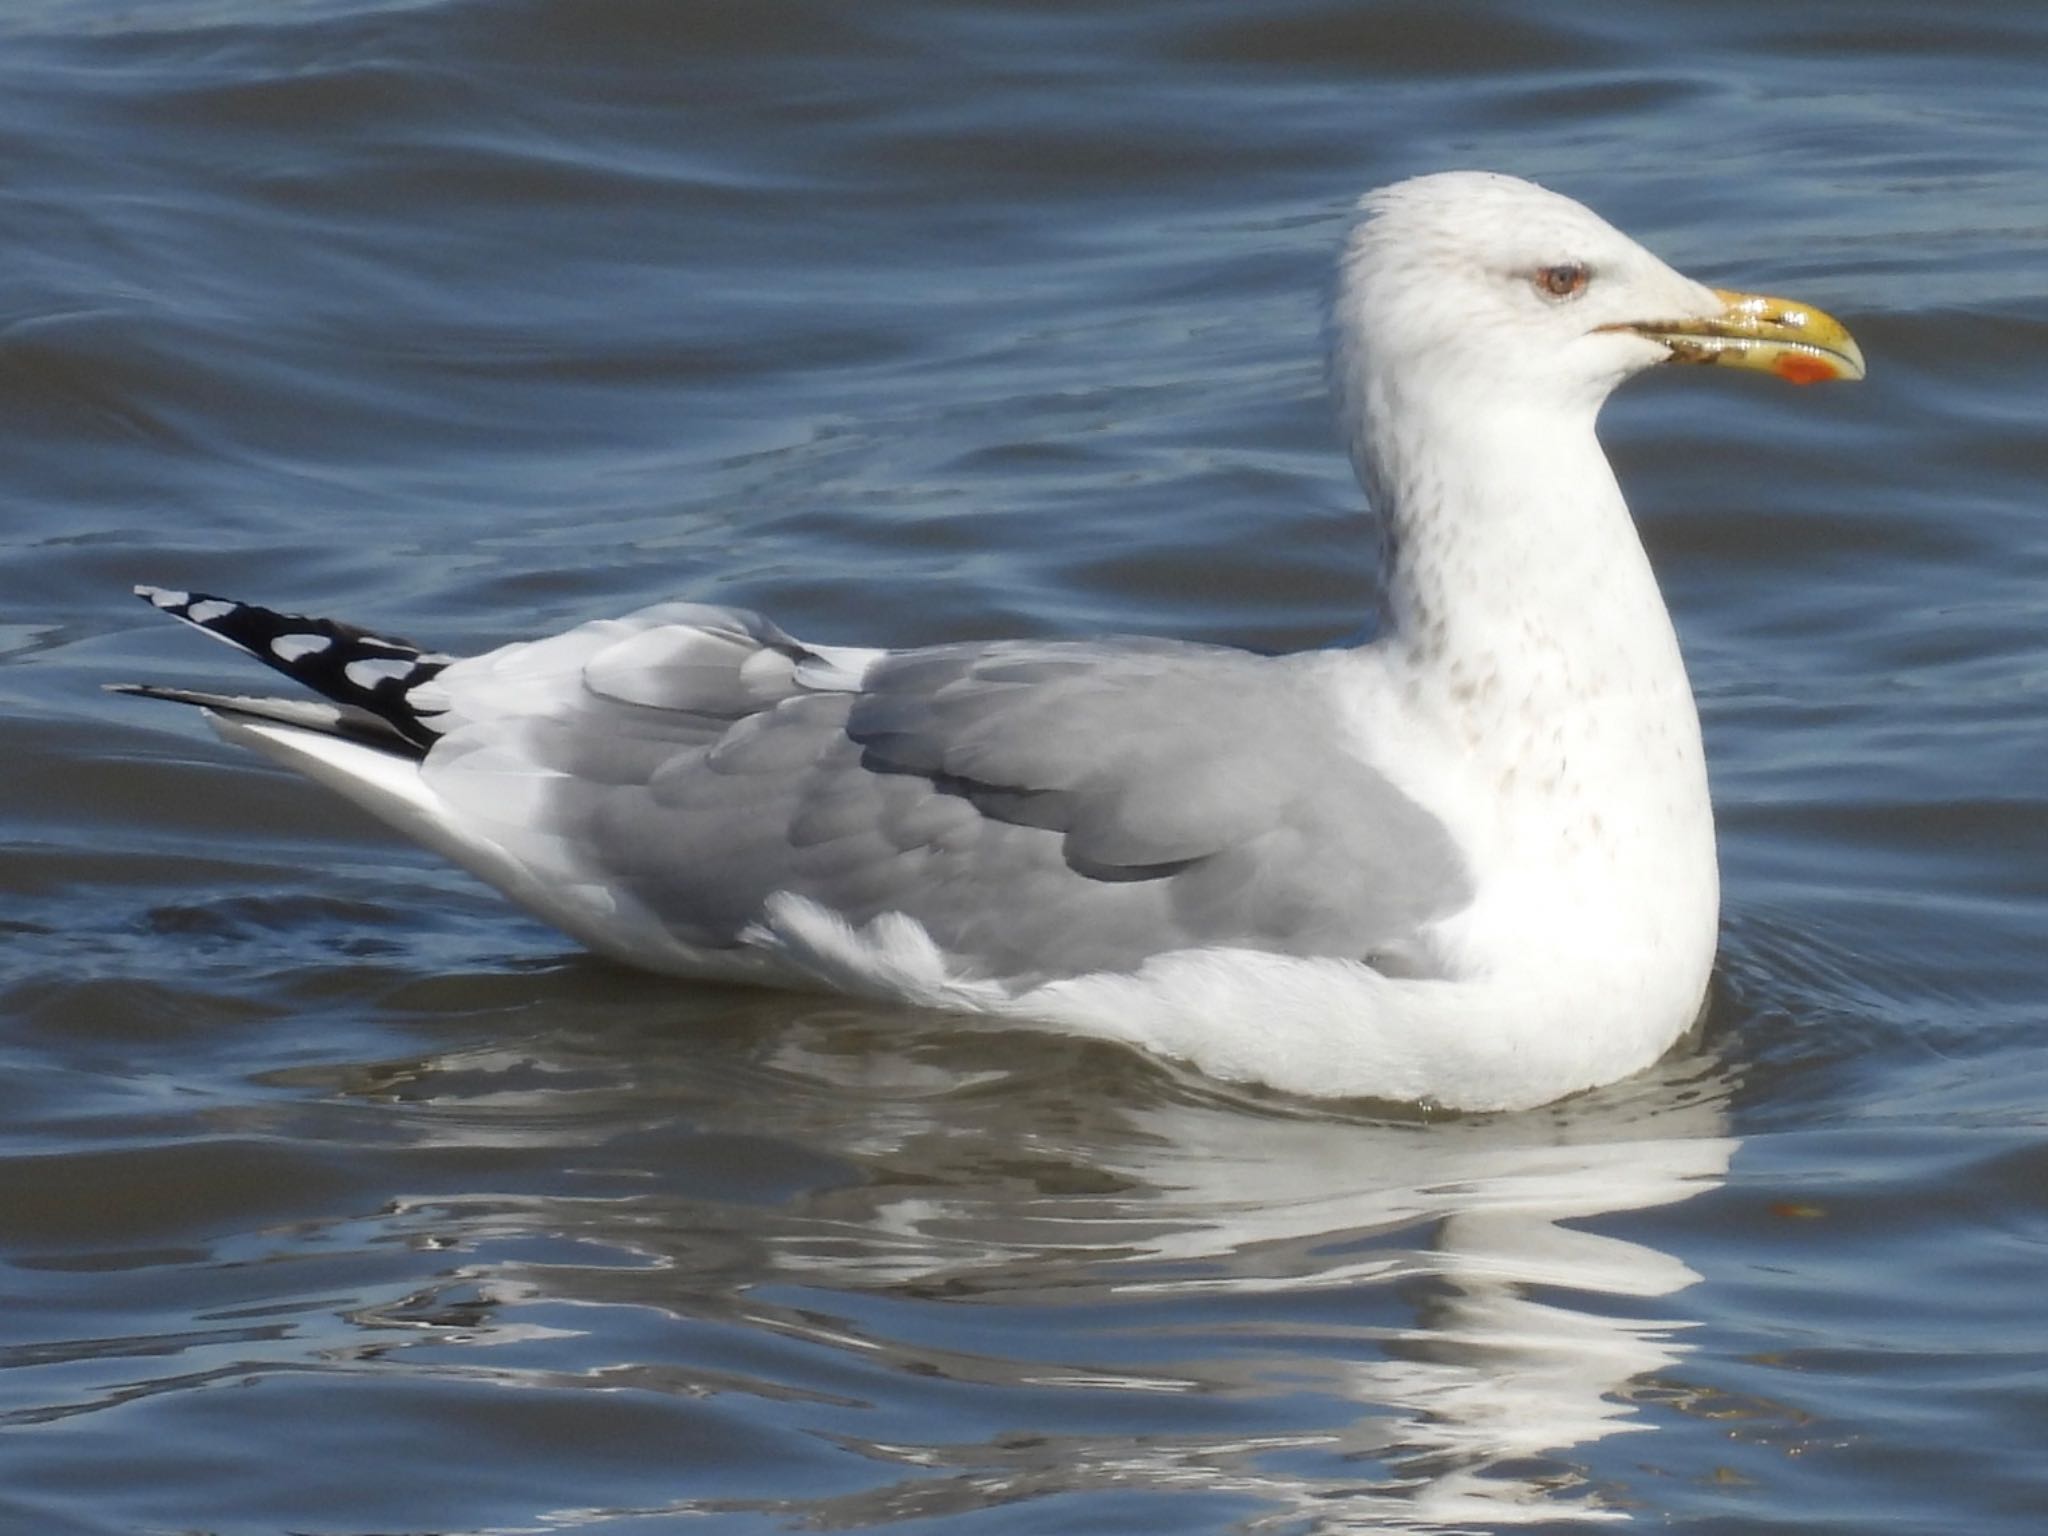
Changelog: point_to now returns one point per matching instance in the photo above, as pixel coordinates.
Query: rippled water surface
(338, 1198)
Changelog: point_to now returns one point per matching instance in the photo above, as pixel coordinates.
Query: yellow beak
(1795, 341)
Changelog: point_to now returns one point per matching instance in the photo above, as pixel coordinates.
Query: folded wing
(1043, 809)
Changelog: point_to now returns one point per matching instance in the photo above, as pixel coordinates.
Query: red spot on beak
(1799, 368)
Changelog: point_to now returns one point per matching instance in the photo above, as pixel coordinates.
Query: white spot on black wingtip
(372, 670)
(207, 611)
(290, 648)
(163, 597)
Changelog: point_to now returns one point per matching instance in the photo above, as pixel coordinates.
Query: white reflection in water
(1513, 1354)
(1350, 1323)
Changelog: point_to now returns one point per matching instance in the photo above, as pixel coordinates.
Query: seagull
(1469, 864)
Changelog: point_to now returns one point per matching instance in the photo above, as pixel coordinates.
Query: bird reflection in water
(1155, 1287)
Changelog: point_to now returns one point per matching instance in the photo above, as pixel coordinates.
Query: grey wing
(1042, 809)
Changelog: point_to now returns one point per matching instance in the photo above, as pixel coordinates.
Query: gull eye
(1565, 281)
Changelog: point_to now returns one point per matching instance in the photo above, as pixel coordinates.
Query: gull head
(1480, 291)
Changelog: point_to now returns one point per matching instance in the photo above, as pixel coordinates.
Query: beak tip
(1809, 368)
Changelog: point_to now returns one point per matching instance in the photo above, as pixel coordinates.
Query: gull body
(1470, 863)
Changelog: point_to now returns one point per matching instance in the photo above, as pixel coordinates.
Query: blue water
(338, 1198)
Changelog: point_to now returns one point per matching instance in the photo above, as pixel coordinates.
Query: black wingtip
(320, 716)
(350, 666)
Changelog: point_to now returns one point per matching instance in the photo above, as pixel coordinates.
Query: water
(338, 1198)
